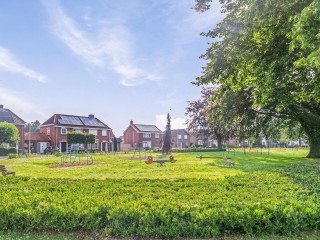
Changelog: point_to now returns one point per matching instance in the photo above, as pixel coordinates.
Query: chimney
(91, 116)
(1, 106)
(131, 122)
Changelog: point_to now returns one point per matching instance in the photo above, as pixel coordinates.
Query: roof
(175, 132)
(75, 121)
(8, 116)
(147, 128)
(36, 136)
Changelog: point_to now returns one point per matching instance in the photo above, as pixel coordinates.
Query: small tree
(8, 133)
(166, 147)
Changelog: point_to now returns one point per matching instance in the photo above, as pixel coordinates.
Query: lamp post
(29, 138)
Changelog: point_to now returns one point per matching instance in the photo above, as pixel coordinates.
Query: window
(157, 135)
(93, 146)
(104, 133)
(93, 131)
(185, 136)
(48, 131)
(63, 131)
(179, 136)
(200, 142)
(147, 135)
(77, 130)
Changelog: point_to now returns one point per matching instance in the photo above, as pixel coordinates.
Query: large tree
(8, 133)
(267, 48)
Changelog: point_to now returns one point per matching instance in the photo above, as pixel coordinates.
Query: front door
(104, 146)
(63, 146)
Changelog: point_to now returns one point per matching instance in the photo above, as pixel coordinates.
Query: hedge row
(7, 151)
(187, 208)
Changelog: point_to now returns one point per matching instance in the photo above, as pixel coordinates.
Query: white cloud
(176, 123)
(20, 106)
(9, 63)
(109, 47)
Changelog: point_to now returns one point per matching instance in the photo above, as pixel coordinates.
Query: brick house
(140, 135)
(38, 141)
(7, 115)
(57, 126)
(181, 138)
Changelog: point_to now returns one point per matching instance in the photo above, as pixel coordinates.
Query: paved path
(3, 157)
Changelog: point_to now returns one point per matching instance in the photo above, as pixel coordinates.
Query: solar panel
(6, 117)
(70, 120)
(91, 122)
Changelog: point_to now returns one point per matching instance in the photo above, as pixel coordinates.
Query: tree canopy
(8, 133)
(270, 50)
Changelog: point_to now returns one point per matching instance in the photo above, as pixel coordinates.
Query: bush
(12, 155)
(57, 154)
(7, 151)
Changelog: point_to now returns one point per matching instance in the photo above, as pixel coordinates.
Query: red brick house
(140, 135)
(7, 115)
(38, 141)
(57, 126)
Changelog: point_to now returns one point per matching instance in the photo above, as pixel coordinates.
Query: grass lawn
(119, 166)
(266, 192)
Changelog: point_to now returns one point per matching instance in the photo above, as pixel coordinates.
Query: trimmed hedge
(7, 151)
(186, 150)
(261, 202)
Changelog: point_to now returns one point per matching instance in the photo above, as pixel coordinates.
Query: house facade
(57, 126)
(181, 138)
(142, 136)
(37, 142)
(7, 115)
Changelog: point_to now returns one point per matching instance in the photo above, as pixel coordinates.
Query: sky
(119, 60)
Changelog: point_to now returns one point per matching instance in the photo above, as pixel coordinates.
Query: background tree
(8, 133)
(166, 147)
(32, 127)
(196, 111)
(260, 50)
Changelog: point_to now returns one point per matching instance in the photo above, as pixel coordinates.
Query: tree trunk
(219, 141)
(311, 125)
(314, 144)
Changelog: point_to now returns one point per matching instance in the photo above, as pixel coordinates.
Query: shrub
(12, 155)
(57, 154)
(6, 151)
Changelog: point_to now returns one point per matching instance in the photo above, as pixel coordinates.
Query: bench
(5, 172)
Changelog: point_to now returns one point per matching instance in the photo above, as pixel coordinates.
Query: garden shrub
(12, 155)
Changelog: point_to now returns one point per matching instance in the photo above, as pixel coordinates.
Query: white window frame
(64, 131)
(179, 136)
(104, 133)
(185, 137)
(78, 130)
(147, 135)
(157, 135)
(48, 131)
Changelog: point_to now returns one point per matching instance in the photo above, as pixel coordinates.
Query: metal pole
(29, 140)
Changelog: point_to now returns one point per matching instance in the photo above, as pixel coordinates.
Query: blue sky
(119, 60)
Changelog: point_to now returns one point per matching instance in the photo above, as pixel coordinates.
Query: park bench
(5, 172)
